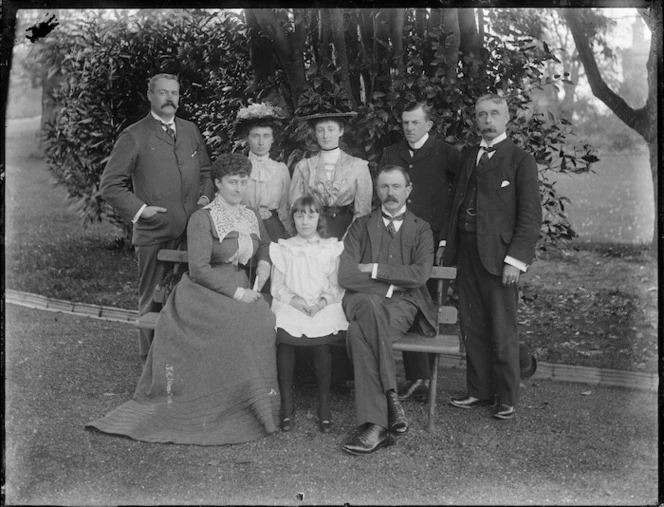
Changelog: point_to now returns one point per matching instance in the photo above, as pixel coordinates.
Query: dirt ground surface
(569, 444)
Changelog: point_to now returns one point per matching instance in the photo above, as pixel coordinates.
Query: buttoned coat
(508, 207)
(162, 172)
(362, 246)
(432, 170)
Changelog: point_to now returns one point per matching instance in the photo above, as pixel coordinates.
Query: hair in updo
(309, 202)
(230, 164)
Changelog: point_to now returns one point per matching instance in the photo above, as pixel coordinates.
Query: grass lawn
(595, 305)
(570, 444)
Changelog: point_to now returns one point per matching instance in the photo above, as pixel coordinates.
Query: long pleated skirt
(210, 376)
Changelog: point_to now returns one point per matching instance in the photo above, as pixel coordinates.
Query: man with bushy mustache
(166, 161)
(493, 231)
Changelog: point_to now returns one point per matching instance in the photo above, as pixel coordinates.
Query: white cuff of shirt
(239, 292)
(390, 291)
(442, 242)
(522, 266)
(374, 271)
(138, 215)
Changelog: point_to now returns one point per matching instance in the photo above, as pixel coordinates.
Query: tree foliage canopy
(373, 60)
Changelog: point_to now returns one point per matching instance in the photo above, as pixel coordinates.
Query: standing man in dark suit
(432, 166)
(384, 267)
(166, 161)
(495, 225)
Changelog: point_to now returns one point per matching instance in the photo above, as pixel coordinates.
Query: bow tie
(398, 218)
(488, 149)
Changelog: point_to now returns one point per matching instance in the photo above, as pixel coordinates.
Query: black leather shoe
(396, 416)
(286, 424)
(325, 426)
(469, 402)
(415, 390)
(504, 412)
(372, 438)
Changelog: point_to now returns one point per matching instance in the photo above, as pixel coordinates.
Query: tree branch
(636, 119)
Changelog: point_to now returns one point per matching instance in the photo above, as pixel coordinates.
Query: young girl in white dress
(307, 304)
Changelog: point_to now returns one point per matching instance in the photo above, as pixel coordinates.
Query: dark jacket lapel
(373, 228)
(159, 132)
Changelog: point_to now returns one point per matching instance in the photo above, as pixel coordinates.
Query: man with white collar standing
(493, 232)
(384, 268)
(166, 161)
(432, 166)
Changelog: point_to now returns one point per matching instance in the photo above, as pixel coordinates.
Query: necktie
(413, 151)
(390, 226)
(169, 130)
(485, 155)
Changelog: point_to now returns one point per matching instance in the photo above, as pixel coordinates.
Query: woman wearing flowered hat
(341, 182)
(269, 181)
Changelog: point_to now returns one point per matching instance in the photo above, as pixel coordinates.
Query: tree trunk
(288, 49)
(469, 43)
(339, 37)
(397, 20)
(450, 26)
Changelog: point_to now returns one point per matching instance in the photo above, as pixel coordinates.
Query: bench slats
(147, 321)
(443, 272)
(440, 344)
(447, 315)
(172, 255)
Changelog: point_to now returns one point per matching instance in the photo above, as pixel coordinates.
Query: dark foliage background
(104, 65)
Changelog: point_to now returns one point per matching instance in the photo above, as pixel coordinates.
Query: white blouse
(307, 268)
(268, 188)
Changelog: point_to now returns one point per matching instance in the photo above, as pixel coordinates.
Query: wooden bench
(411, 342)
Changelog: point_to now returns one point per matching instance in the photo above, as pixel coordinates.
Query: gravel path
(570, 444)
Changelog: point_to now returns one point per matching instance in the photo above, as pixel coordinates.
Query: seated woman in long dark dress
(211, 376)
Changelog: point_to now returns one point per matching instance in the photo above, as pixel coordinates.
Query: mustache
(488, 129)
(391, 199)
(169, 103)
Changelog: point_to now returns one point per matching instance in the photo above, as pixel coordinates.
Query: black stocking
(323, 366)
(285, 364)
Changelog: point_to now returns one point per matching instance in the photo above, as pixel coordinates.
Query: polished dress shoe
(396, 416)
(469, 402)
(415, 390)
(325, 426)
(370, 439)
(504, 412)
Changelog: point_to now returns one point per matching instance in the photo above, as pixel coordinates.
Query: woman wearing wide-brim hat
(269, 182)
(341, 182)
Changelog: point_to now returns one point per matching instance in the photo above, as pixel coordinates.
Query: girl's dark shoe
(286, 424)
(325, 426)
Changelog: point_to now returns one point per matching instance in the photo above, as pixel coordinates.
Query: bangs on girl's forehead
(305, 208)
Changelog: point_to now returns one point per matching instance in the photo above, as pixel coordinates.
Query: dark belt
(333, 211)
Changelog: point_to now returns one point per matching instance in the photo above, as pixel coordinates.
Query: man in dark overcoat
(384, 268)
(166, 161)
(432, 166)
(493, 232)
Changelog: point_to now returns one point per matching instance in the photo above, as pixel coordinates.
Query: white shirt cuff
(239, 292)
(522, 266)
(390, 291)
(442, 242)
(137, 215)
(374, 271)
